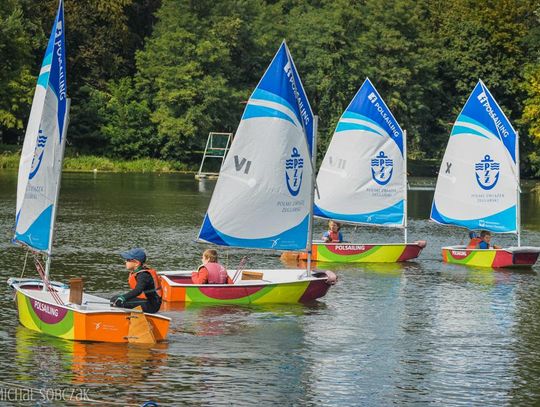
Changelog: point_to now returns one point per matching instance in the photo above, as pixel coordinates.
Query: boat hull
(359, 253)
(510, 257)
(177, 287)
(38, 311)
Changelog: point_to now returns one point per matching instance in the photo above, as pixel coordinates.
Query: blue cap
(472, 234)
(134, 254)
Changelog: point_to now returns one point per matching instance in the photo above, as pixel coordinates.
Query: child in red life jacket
(475, 239)
(210, 272)
(333, 235)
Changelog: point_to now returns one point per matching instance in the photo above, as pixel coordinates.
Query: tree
(18, 38)
(194, 69)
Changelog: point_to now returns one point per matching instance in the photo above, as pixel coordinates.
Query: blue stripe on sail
(346, 126)
(261, 94)
(356, 116)
(254, 111)
(43, 79)
(392, 215)
(37, 235)
(368, 103)
(483, 109)
(502, 222)
(279, 79)
(47, 60)
(457, 130)
(292, 239)
(467, 119)
(57, 79)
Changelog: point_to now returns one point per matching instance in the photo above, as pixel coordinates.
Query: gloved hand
(119, 302)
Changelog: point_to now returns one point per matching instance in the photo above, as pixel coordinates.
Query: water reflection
(421, 332)
(84, 362)
(45, 362)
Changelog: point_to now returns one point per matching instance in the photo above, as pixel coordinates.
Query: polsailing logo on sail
(484, 101)
(487, 172)
(382, 168)
(294, 169)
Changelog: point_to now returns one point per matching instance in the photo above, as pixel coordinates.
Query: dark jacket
(145, 283)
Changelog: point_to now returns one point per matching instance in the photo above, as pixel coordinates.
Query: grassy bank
(91, 163)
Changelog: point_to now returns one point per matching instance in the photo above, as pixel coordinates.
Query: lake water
(422, 333)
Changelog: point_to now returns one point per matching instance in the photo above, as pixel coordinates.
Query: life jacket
(474, 243)
(334, 236)
(216, 273)
(132, 281)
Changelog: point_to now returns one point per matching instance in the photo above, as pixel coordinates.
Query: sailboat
(478, 185)
(45, 306)
(363, 180)
(263, 198)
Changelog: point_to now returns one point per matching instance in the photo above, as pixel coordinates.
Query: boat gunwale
(511, 249)
(245, 283)
(73, 307)
(417, 243)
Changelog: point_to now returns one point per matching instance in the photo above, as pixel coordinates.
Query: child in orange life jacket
(210, 272)
(144, 282)
(333, 235)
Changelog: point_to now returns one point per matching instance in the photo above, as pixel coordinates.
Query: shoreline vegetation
(89, 163)
(9, 160)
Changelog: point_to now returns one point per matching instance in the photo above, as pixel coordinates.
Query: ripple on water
(418, 333)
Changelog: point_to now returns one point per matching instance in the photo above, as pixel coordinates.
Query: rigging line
(241, 267)
(25, 260)
(45, 280)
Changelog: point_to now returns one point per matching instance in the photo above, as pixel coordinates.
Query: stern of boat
(496, 258)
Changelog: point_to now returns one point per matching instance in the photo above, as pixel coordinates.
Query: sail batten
(42, 154)
(361, 177)
(478, 178)
(262, 198)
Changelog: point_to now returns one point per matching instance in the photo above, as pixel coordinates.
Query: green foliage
(91, 163)
(127, 124)
(16, 47)
(188, 74)
(10, 160)
(151, 78)
(531, 116)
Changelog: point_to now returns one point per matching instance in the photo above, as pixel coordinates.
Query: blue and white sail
(41, 158)
(262, 198)
(361, 179)
(478, 179)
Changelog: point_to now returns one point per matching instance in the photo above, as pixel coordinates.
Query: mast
(518, 191)
(57, 194)
(312, 192)
(405, 185)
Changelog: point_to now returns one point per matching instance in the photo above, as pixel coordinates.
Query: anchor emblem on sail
(382, 169)
(294, 171)
(38, 154)
(487, 173)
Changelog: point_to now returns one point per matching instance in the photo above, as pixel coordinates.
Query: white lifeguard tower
(217, 147)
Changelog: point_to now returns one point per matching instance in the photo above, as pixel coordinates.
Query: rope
(25, 259)
(41, 272)
(241, 267)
